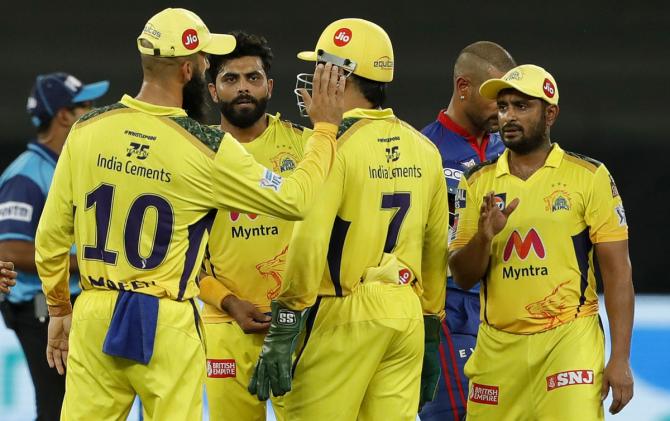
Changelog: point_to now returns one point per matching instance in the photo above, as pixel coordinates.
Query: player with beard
(194, 97)
(466, 134)
(246, 252)
(540, 348)
(136, 187)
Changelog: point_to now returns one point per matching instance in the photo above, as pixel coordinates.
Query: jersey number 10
(102, 199)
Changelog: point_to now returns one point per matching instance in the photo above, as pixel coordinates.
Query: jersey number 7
(400, 202)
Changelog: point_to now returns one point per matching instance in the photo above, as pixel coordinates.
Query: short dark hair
(373, 91)
(475, 59)
(247, 45)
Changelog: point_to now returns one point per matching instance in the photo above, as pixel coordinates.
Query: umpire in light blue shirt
(56, 101)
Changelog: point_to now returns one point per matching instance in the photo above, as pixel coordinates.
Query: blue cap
(54, 91)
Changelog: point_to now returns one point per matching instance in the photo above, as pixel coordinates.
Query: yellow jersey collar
(272, 120)
(553, 160)
(148, 108)
(369, 113)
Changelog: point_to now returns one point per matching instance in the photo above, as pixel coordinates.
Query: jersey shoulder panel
(483, 167)
(210, 136)
(295, 126)
(583, 161)
(347, 124)
(99, 111)
(296, 132)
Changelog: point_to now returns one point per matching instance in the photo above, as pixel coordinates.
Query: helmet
(361, 42)
(357, 46)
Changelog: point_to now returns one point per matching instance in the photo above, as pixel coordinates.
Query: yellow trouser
(552, 375)
(231, 358)
(362, 357)
(102, 387)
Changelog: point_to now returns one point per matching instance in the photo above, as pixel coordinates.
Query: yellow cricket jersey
(541, 270)
(247, 252)
(385, 199)
(136, 188)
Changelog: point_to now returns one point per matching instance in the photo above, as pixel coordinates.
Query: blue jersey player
(466, 133)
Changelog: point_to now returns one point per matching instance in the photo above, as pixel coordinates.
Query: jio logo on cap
(342, 37)
(548, 88)
(190, 39)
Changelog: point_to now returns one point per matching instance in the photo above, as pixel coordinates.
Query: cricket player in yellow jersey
(246, 254)
(136, 188)
(540, 348)
(368, 263)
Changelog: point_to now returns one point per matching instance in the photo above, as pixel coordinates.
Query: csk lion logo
(273, 270)
(550, 307)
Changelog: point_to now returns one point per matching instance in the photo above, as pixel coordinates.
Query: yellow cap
(180, 32)
(529, 79)
(360, 41)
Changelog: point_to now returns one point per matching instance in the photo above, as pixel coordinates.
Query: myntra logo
(523, 245)
(234, 216)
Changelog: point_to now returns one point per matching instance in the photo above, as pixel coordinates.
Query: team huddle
(357, 270)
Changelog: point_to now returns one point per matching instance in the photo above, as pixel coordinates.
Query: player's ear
(462, 87)
(64, 117)
(212, 92)
(186, 69)
(271, 84)
(551, 114)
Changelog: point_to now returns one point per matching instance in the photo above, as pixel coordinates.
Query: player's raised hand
(7, 276)
(273, 369)
(57, 342)
(492, 219)
(619, 377)
(327, 101)
(247, 316)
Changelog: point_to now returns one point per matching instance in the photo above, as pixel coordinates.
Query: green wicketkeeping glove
(273, 369)
(430, 373)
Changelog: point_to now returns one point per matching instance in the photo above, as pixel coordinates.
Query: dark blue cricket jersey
(460, 152)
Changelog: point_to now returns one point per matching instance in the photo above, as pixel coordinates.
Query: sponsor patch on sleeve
(271, 180)
(220, 369)
(16, 211)
(621, 215)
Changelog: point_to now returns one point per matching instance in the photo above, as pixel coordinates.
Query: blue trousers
(457, 342)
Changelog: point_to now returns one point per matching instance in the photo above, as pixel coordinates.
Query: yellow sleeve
(54, 238)
(240, 183)
(467, 215)
(435, 253)
(604, 213)
(308, 249)
(212, 291)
